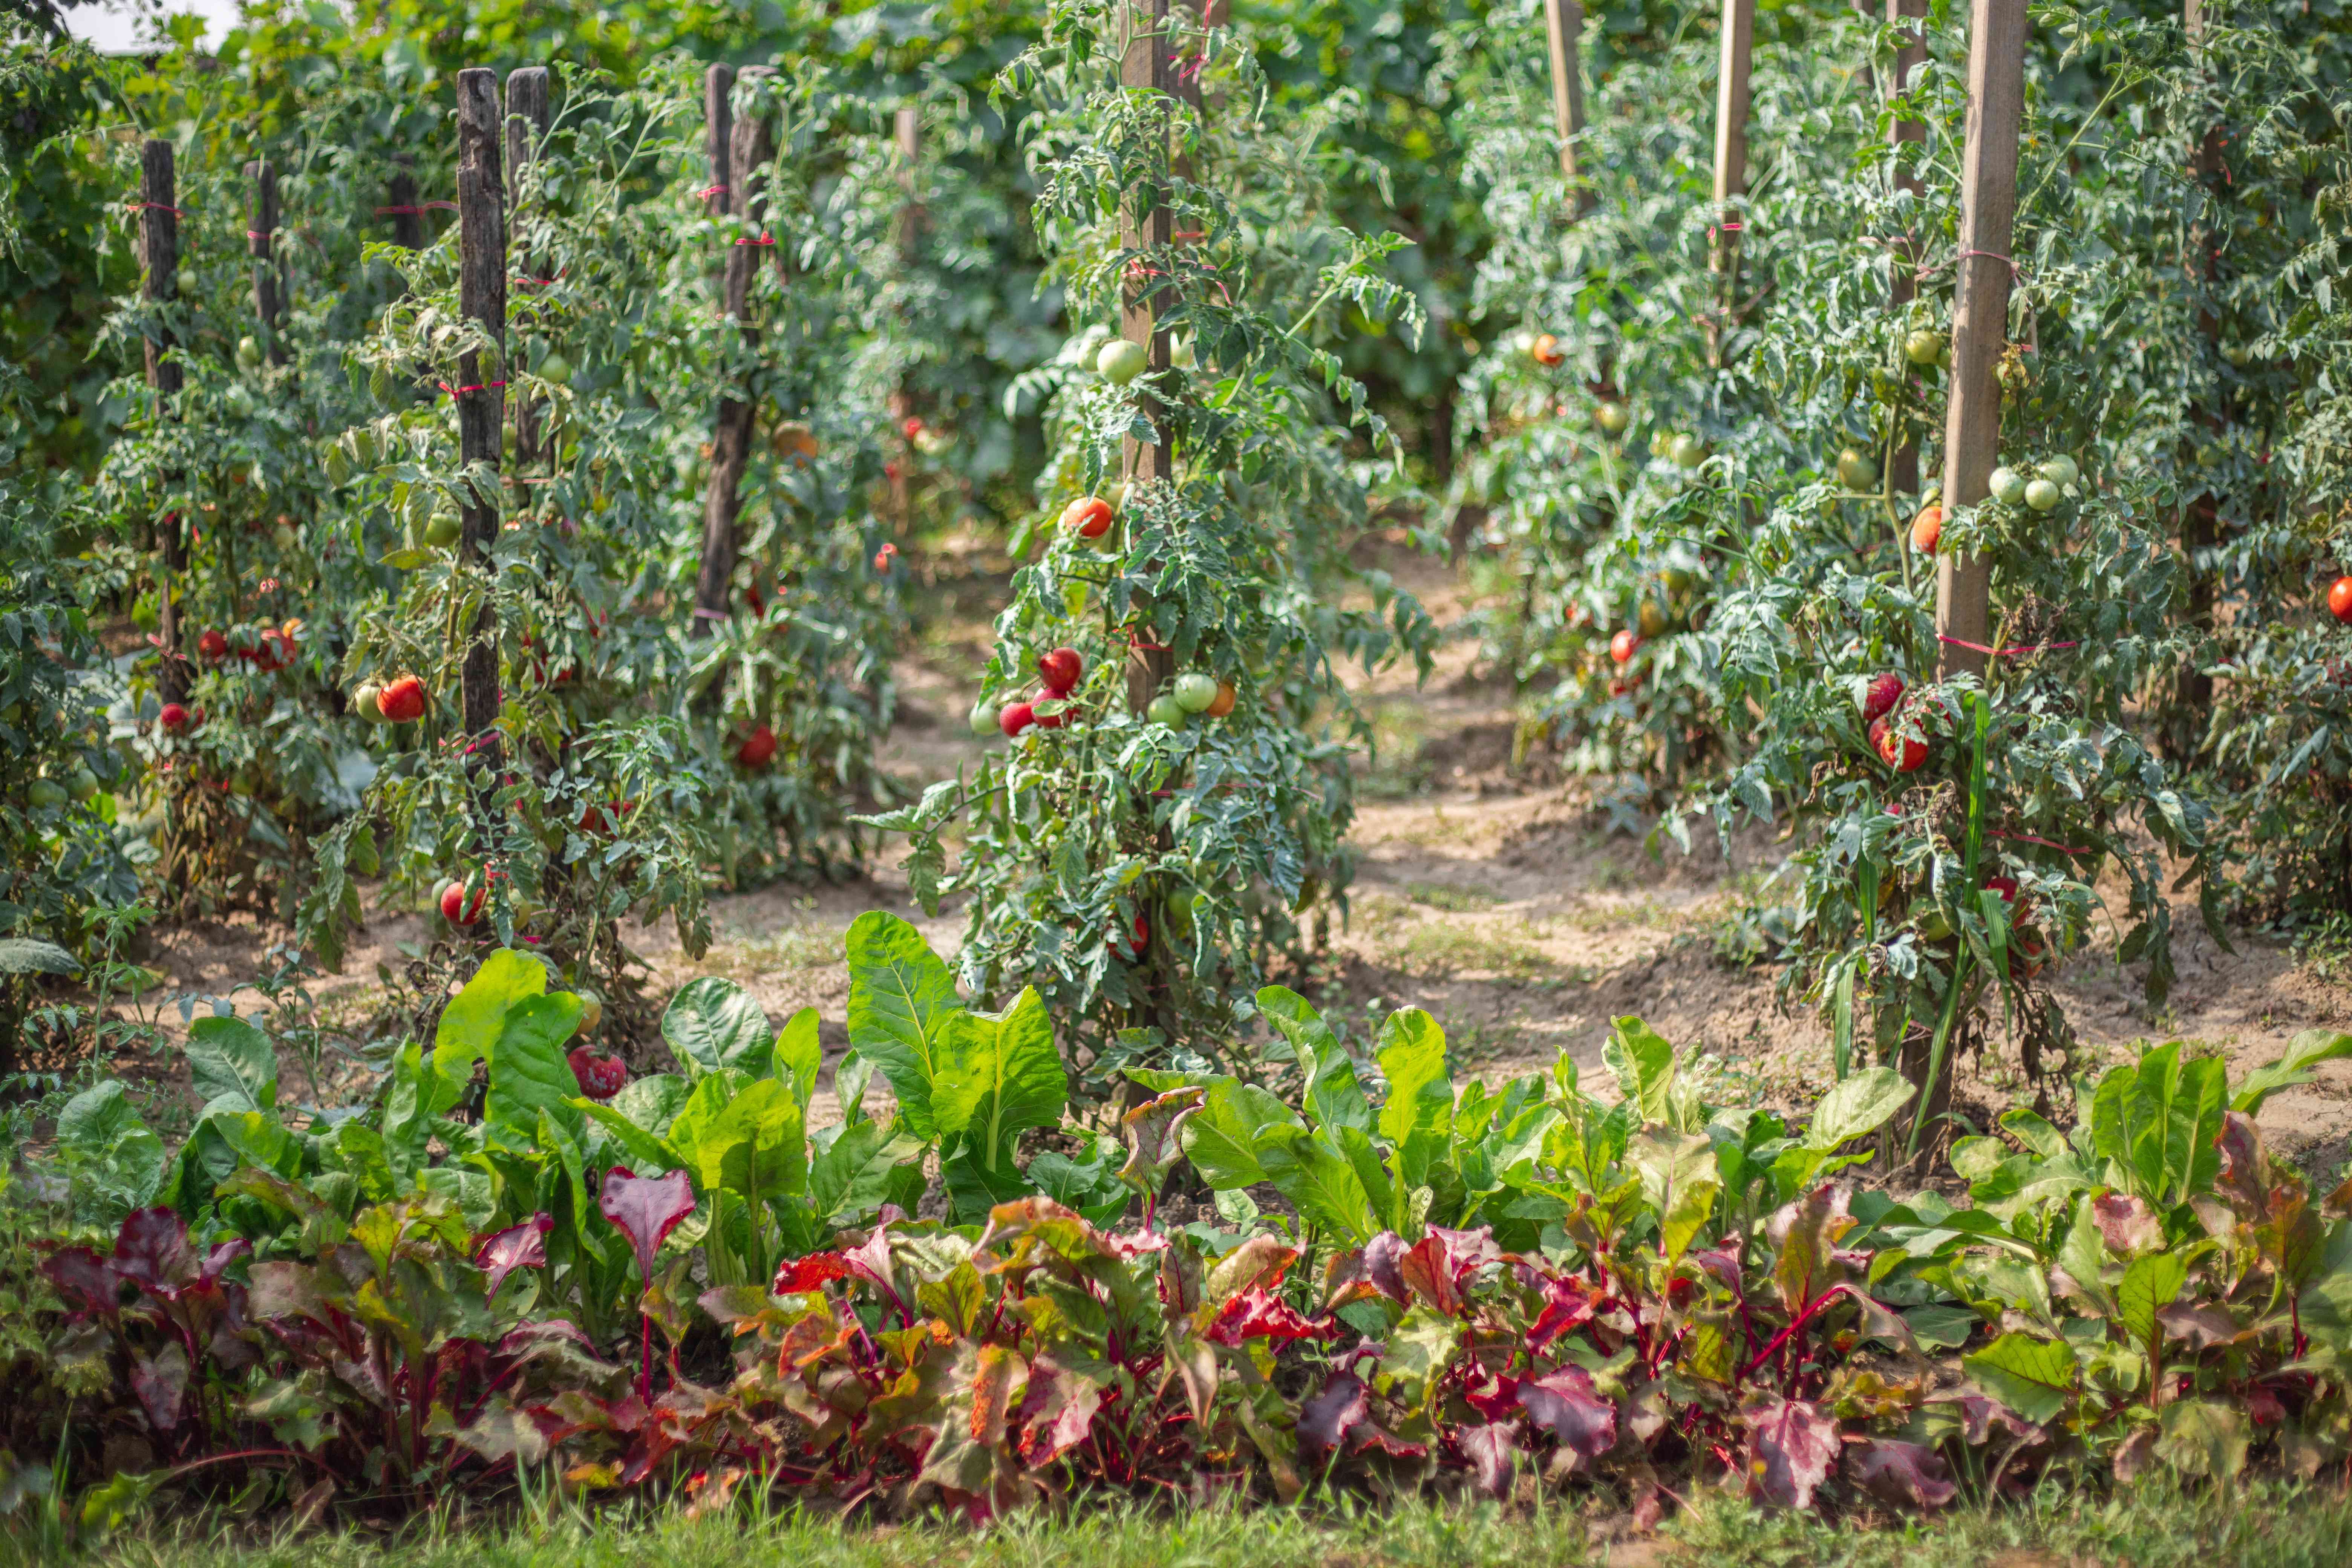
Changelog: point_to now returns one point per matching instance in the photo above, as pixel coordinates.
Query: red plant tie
(2046, 844)
(2009, 652)
(156, 207)
(461, 391)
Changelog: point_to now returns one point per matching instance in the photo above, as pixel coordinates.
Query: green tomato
(1651, 618)
(441, 530)
(555, 368)
(248, 353)
(81, 785)
(1166, 710)
(1855, 472)
(285, 537)
(1677, 579)
(1121, 362)
(2061, 471)
(1688, 451)
(1195, 691)
(2044, 496)
(183, 282)
(983, 719)
(1923, 346)
(45, 795)
(1611, 418)
(2008, 486)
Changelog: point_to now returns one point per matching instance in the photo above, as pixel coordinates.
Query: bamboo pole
(1564, 28)
(481, 393)
(1996, 35)
(1903, 465)
(1731, 170)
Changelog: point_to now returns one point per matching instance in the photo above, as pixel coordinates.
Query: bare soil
(1497, 899)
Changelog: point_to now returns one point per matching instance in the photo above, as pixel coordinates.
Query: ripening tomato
(1622, 646)
(1015, 717)
(456, 908)
(1140, 935)
(1226, 698)
(212, 646)
(1926, 529)
(2339, 600)
(1060, 671)
(1546, 351)
(883, 556)
(1089, 515)
(402, 700)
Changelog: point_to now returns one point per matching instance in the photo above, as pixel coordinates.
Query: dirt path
(1505, 907)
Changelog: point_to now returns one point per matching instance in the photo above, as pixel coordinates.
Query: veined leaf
(1221, 1137)
(2151, 1283)
(798, 1057)
(528, 1070)
(1861, 1103)
(471, 1024)
(754, 1147)
(2303, 1053)
(1319, 1181)
(902, 1002)
(1645, 1065)
(2035, 1377)
(1333, 1096)
(712, 1023)
(1418, 1116)
(996, 1074)
(232, 1065)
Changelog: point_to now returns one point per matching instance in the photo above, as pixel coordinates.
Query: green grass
(2152, 1526)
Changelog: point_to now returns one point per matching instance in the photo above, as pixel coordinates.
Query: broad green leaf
(653, 1101)
(31, 955)
(471, 1024)
(2204, 1436)
(854, 1175)
(95, 1121)
(2036, 1134)
(2035, 1377)
(755, 1146)
(1221, 1137)
(1418, 1352)
(798, 1056)
(712, 1023)
(1645, 1065)
(232, 1065)
(1319, 1183)
(1381, 1192)
(1333, 1098)
(1418, 1116)
(997, 1074)
(528, 1072)
(648, 1154)
(902, 1002)
(1860, 1104)
(2303, 1053)
(1942, 1326)
(2157, 1122)
(2150, 1283)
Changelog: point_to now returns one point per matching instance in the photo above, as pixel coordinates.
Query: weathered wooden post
(159, 252)
(1146, 225)
(481, 393)
(1564, 28)
(407, 213)
(526, 121)
(748, 148)
(1980, 317)
(2200, 521)
(260, 236)
(1730, 171)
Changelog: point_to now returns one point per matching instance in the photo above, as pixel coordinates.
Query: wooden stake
(2200, 522)
(407, 222)
(1564, 26)
(1997, 33)
(748, 150)
(159, 252)
(1730, 169)
(1146, 224)
(526, 121)
(480, 392)
(909, 127)
(260, 232)
(1903, 467)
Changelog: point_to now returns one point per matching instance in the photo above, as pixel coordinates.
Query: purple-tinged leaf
(1568, 1303)
(152, 1252)
(1154, 1131)
(1343, 1406)
(1259, 1314)
(161, 1384)
(2245, 1174)
(2201, 1327)
(645, 1209)
(520, 1245)
(1494, 1396)
(1383, 1258)
(2128, 1224)
(1564, 1403)
(1900, 1473)
(1056, 1413)
(1490, 1450)
(1366, 1434)
(527, 1338)
(1805, 1234)
(218, 1258)
(83, 1279)
(1790, 1447)
(809, 1273)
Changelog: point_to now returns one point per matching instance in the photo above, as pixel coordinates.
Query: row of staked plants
(1721, 495)
(512, 1262)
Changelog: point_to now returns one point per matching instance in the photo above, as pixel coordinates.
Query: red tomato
(600, 1077)
(1015, 717)
(1090, 515)
(2007, 888)
(2339, 600)
(756, 748)
(212, 646)
(276, 650)
(1898, 751)
(1885, 693)
(1141, 939)
(912, 428)
(1060, 671)
(174, 718)
(1621, 647)
(1926, 529)
(454, 907)
(883, 556)
(402, 701)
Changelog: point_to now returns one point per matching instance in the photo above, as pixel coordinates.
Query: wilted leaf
(1564, 1403)
(1790, 1446)
(1490, 1450)
(1899, 1472)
